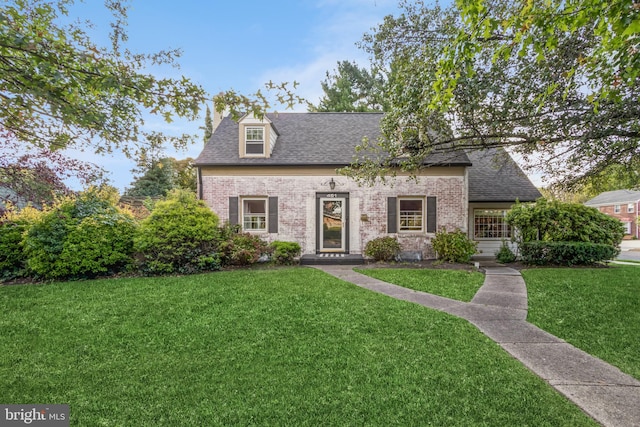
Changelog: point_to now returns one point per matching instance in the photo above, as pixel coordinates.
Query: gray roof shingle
(614, 197)
(308, 139)
(496, 177)
(330, 139)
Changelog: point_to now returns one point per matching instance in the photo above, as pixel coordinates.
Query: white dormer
(257, 137)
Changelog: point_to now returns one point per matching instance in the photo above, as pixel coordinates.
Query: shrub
(284, 252)
(13, 225)
(179, 236)
(382, 248)
(566, 253)
(554, 221)
(453, 246)
(505, 255)
(80, 236)
(243, 249)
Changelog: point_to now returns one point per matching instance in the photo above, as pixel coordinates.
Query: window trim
(630, 207)
(423, 214)
(265, 222)
(256, 142)
(505, 231)
(627, 227)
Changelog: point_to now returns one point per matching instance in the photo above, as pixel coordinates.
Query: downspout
(199, 175)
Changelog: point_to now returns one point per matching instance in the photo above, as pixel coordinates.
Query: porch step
(332, 259)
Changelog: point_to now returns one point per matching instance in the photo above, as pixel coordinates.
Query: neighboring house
(277, 178)
(621, 204)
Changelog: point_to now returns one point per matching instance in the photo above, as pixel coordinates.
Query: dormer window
(254, 141)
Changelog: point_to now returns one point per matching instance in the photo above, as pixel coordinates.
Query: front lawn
(279, 347)
(454, 284)
(595, 309)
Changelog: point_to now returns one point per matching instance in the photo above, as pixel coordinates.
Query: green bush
(505, 255)
(284, 252)
(13, 225)
(83, 236)
(382, 248)
(554, 221)
(453, 246)
(179, 236)
(566, 253)
(243, 249)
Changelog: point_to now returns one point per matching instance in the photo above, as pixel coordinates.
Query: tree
(350, 89)
(158, 177)
(208, 126)
(60, 89)
(512, 74)
(156, 181)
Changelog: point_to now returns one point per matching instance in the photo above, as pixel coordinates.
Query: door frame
(320, 197)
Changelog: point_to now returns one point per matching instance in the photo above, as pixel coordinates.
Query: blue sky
(240, 46)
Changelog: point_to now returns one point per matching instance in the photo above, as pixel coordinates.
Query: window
(490, 224)
(627, 227)
(254, 141)
(254, 214)
(630, 208)
(616, 209)
(411, 214)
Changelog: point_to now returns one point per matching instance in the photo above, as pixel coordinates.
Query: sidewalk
(499, 310)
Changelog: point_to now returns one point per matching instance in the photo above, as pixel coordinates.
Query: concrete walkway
(499, 310)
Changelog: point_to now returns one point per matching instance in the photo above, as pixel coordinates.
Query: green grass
(454, 284)
(595, 309)
(283, 347)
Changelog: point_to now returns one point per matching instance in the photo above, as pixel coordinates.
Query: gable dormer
(257, 137)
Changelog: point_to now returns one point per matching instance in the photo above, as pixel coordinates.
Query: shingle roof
(330, 139)
(307, 139)
(614, 197)
(495, 177)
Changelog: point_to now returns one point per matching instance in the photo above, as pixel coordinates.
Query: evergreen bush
(13, 225)
(179, 236)
(82, 236)
(567, 253)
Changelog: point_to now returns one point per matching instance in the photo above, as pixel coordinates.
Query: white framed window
(627, 227)
(616, 209)
(490, 224)
(254, 214)
(254, 141)
(630, 208)
(410, 214)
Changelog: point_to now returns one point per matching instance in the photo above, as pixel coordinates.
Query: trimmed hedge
(566, 253)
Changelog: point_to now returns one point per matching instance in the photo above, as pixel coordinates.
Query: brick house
(621, 204)
(277, 177)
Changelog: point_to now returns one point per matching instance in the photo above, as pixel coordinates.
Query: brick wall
(368, 205)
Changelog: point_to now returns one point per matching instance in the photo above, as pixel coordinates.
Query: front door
(332, 223)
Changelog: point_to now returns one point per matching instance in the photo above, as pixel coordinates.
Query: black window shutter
(431, 215)
(233, 210)
(273, 214)
(392, 221)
